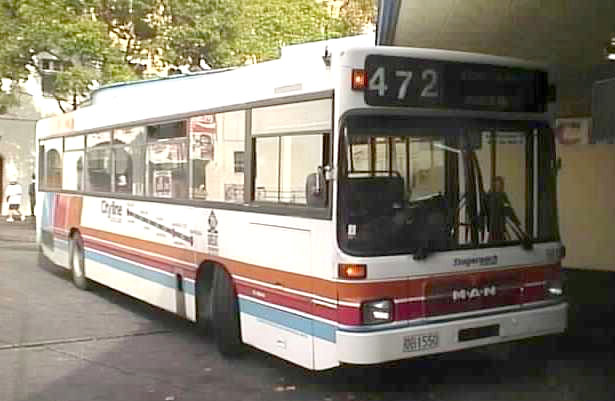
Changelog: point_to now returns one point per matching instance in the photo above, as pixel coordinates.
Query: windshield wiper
(526, 241)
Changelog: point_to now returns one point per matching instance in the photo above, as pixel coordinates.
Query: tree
(103, 41)
(62, 29)
(266, 25)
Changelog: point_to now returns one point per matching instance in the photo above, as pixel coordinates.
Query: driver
(499, 209)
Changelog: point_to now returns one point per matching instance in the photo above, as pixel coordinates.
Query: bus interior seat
(375, 195)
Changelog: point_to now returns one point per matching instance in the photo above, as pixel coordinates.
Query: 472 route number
(427, 84)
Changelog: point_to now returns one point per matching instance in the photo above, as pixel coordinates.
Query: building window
(50, 69)
(48, 83)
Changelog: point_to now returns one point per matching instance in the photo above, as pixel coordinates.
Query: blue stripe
(131, 268)
(189, 287)
(290, 320)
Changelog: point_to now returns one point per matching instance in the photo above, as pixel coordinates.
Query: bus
(354, 205)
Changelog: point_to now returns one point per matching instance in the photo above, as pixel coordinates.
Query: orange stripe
(344, 291)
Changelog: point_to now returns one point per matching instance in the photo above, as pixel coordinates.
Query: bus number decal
(431, 89)
(398, 81)
(403, 88)
(377, 82)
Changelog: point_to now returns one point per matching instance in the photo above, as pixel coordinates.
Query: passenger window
(129, 160)
(287, 169)
(74, 155)
(216, 140)
(266, 181)
(176, 129)
(301, 156)
(290, 150)
(98, 155)
(167, 160)
(168, 169)
(53, 163)
(73, 170)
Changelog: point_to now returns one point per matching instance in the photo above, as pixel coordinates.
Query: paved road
(61, 344)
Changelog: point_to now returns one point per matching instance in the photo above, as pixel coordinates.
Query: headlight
(376, 312)
(554, 288)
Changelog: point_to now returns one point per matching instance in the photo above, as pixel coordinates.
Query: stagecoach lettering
(476, 260)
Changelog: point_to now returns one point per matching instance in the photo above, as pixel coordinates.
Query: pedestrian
(13, 198)
(32, 193)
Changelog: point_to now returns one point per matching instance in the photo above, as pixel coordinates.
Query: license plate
(421, 342)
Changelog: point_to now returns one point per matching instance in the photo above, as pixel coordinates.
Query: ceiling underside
(568, 35)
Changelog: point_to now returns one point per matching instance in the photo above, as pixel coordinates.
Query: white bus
(371, 205)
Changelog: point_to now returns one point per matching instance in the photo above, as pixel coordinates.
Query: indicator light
(359, 79)
(352, 271)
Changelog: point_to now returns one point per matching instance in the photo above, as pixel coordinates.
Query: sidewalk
(18, 231)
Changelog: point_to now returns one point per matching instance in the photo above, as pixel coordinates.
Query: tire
(225, 313)
(76, 262)
(204, 301)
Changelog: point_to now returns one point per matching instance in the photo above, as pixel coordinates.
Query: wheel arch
(73, 231)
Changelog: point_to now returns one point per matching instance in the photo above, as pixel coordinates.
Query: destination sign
(410, 82)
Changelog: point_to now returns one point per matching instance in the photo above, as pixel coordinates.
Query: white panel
(325, 355)
(165, 224)
(190, 307)
(290, 345)
(148, 291)
(284, 248)
(376, 347)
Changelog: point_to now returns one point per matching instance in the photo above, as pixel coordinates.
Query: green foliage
(104, 41)
(266, 25)
(64, 29)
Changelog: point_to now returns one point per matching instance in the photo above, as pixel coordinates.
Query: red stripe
(534, 293)
(409, 310)
(288, 300)
(148, 260)
(349, 315)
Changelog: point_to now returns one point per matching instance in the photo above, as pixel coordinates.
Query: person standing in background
(32, 193)
(13, 198)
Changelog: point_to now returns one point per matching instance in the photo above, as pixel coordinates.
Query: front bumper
(388, 345)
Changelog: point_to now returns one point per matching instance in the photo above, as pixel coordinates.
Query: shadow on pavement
(184, 365)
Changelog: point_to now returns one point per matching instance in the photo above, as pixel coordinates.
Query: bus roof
(300, 71)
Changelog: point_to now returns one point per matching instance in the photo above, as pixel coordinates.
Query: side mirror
(315, 189)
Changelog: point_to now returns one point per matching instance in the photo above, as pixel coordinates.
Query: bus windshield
(412, 185)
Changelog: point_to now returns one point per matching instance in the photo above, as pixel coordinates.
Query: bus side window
(287, 168)
(52, 161)
(217, 145)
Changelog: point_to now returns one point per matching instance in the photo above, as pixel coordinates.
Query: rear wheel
(204, 301)
(225, 311)
(76, 260)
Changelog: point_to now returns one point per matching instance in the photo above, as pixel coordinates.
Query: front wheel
(77, 262)
(225, 311)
